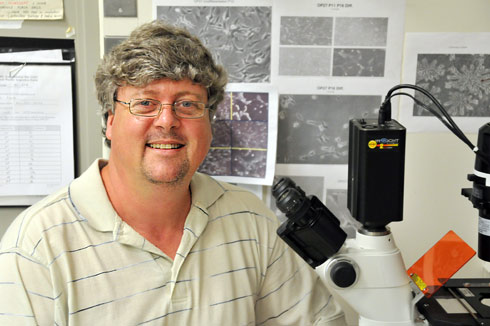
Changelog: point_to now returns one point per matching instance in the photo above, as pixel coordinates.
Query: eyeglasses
(151, 108)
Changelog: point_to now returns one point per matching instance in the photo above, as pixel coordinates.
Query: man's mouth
(165, 146)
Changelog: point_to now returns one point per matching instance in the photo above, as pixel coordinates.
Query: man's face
(163, 149)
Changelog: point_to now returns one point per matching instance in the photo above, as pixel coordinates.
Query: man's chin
(166, 177)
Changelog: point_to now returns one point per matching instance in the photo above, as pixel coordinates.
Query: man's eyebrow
(188, 93)
(154, 93)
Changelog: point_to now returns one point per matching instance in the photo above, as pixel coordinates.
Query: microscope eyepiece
(282, 185)
(290, 201)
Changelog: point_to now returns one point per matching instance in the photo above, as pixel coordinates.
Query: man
(144, 239)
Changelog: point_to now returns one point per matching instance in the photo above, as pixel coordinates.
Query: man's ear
(110, 120)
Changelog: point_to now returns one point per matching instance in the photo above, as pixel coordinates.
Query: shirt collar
(89, 197)
(205, 191)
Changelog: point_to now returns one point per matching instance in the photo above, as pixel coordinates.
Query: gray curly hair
(155, 51)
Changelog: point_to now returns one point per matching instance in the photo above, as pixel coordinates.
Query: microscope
(368, 271)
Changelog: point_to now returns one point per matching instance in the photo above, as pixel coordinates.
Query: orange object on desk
(440, 263)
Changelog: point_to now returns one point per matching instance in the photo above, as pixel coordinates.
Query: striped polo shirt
(71, 260)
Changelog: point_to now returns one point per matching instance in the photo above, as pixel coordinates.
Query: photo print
(240, 37)
(345, 47)
(314, 129)
(241, 137)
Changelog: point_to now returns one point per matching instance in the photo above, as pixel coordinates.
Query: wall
(83, 17)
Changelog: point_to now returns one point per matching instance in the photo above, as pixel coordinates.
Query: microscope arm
(369, 274)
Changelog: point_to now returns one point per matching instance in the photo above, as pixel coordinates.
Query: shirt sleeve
(293, 294)
(27, 295)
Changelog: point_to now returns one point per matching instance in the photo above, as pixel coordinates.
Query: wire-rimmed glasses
(151, 108)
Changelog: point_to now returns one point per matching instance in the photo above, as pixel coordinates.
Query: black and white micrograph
(217, 162)
(311, 185)
(314, 129)
(361, 31)
(333, 46)
(249, 134)
(305, 61)
(120, 8)
(240, 136)
(306, 30)
(239, 37)
(460, 82)
(248, 163)
(222, 133)
(359, 62)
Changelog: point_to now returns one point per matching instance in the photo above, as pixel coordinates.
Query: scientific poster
(333, 61)
(244, 138)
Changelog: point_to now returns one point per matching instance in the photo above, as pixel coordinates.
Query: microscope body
(368, 272)
(379, 290)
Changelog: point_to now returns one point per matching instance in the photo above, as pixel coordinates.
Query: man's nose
(167, 117)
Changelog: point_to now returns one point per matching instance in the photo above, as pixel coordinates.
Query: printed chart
(30, 155)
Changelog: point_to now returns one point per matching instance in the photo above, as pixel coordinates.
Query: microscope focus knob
(343, 274)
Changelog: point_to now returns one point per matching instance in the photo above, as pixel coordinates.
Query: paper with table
(36, 125)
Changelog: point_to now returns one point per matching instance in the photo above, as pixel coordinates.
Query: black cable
(423, 105)
(455, 127)
(385, 112)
